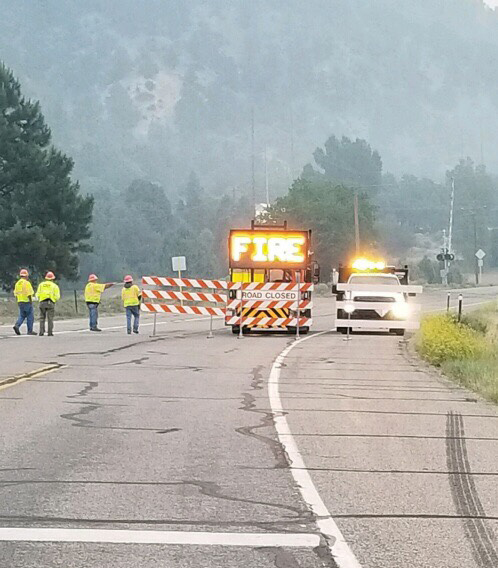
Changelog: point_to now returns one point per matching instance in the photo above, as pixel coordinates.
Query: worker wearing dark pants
(47, 311)
(48, 294)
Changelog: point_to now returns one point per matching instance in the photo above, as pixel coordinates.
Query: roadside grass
(465, 351)
(65, 308)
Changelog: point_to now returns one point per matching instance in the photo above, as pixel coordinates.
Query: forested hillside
(159, 88)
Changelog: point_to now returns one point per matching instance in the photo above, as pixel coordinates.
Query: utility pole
(253, 163)
(356, 222)
(475, 246)
(292, 143)
(267, 186)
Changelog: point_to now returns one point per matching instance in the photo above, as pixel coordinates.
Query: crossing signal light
(445, 256)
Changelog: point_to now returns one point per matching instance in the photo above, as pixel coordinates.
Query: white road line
(339, 548)
(296, 540)
(123, 327)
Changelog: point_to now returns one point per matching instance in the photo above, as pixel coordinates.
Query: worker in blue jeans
(131, 296)
(24, 293)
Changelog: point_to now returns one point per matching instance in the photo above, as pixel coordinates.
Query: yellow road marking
(11, 381)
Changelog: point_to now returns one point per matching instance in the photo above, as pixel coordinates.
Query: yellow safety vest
(93, 291)
(48, 290)
(23, 290)
(131, 296)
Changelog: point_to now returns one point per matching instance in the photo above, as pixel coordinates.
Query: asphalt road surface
(183, 451)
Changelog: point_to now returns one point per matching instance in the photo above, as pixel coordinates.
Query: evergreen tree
(348, 162)
(44, 220)
(327, 209)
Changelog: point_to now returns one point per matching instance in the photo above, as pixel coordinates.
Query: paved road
(183, 451)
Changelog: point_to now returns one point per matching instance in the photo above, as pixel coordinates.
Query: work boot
(95, 329)
(41, 334)
(50, 334)
(129, 332)
(17, 330)
(32, 333)
(135, 331)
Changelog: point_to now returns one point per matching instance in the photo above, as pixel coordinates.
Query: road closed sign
(269, 295)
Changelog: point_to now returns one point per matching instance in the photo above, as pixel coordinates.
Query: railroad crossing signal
(442, 256)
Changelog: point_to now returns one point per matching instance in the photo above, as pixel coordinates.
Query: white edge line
(295, 540)
(339, 548)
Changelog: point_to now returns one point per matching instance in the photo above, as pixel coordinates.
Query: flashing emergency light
(364, 264)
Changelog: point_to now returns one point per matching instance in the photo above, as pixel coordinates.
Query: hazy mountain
(156, 89)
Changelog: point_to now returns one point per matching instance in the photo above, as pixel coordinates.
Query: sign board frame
(179, 263)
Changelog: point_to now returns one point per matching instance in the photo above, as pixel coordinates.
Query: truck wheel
(304, 330)
(342, 330)
(399, 332)
(235, 329)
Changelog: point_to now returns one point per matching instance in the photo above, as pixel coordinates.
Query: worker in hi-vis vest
(48, 295)
(93, 291)
(24, 293)
(132, 296)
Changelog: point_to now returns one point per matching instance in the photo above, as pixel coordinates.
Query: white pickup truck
(383, 289)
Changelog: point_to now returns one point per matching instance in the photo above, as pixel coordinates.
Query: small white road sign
(480, 254)
(179, 263)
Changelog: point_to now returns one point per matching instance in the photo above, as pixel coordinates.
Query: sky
(492, 3)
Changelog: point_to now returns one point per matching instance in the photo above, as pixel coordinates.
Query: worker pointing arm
(93, 293)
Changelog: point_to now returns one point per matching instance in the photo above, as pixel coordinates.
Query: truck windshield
(374, 279)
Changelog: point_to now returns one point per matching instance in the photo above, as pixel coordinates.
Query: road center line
(11, 381)
(339, 548)
(296, 540)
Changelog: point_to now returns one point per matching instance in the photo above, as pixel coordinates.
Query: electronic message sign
(268, 249)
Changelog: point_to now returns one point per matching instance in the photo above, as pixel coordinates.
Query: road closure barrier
(270, 305)
(378, 307)
(252, 304)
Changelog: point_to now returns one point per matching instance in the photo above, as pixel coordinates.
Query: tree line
(46, 223)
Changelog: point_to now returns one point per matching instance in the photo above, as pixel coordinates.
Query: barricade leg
(210, 334)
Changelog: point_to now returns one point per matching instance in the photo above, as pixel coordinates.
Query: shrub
(442, 338)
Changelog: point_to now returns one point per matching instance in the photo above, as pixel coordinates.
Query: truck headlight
(349, 308)
(401, 310)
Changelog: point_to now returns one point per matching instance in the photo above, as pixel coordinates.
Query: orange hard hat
(92, 278)
(24, 272)
(128, 278)
(50, 276)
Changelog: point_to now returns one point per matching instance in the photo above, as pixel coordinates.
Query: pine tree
(44, 220)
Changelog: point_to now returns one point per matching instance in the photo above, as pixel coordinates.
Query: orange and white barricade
(158, 301)
(270, 305)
